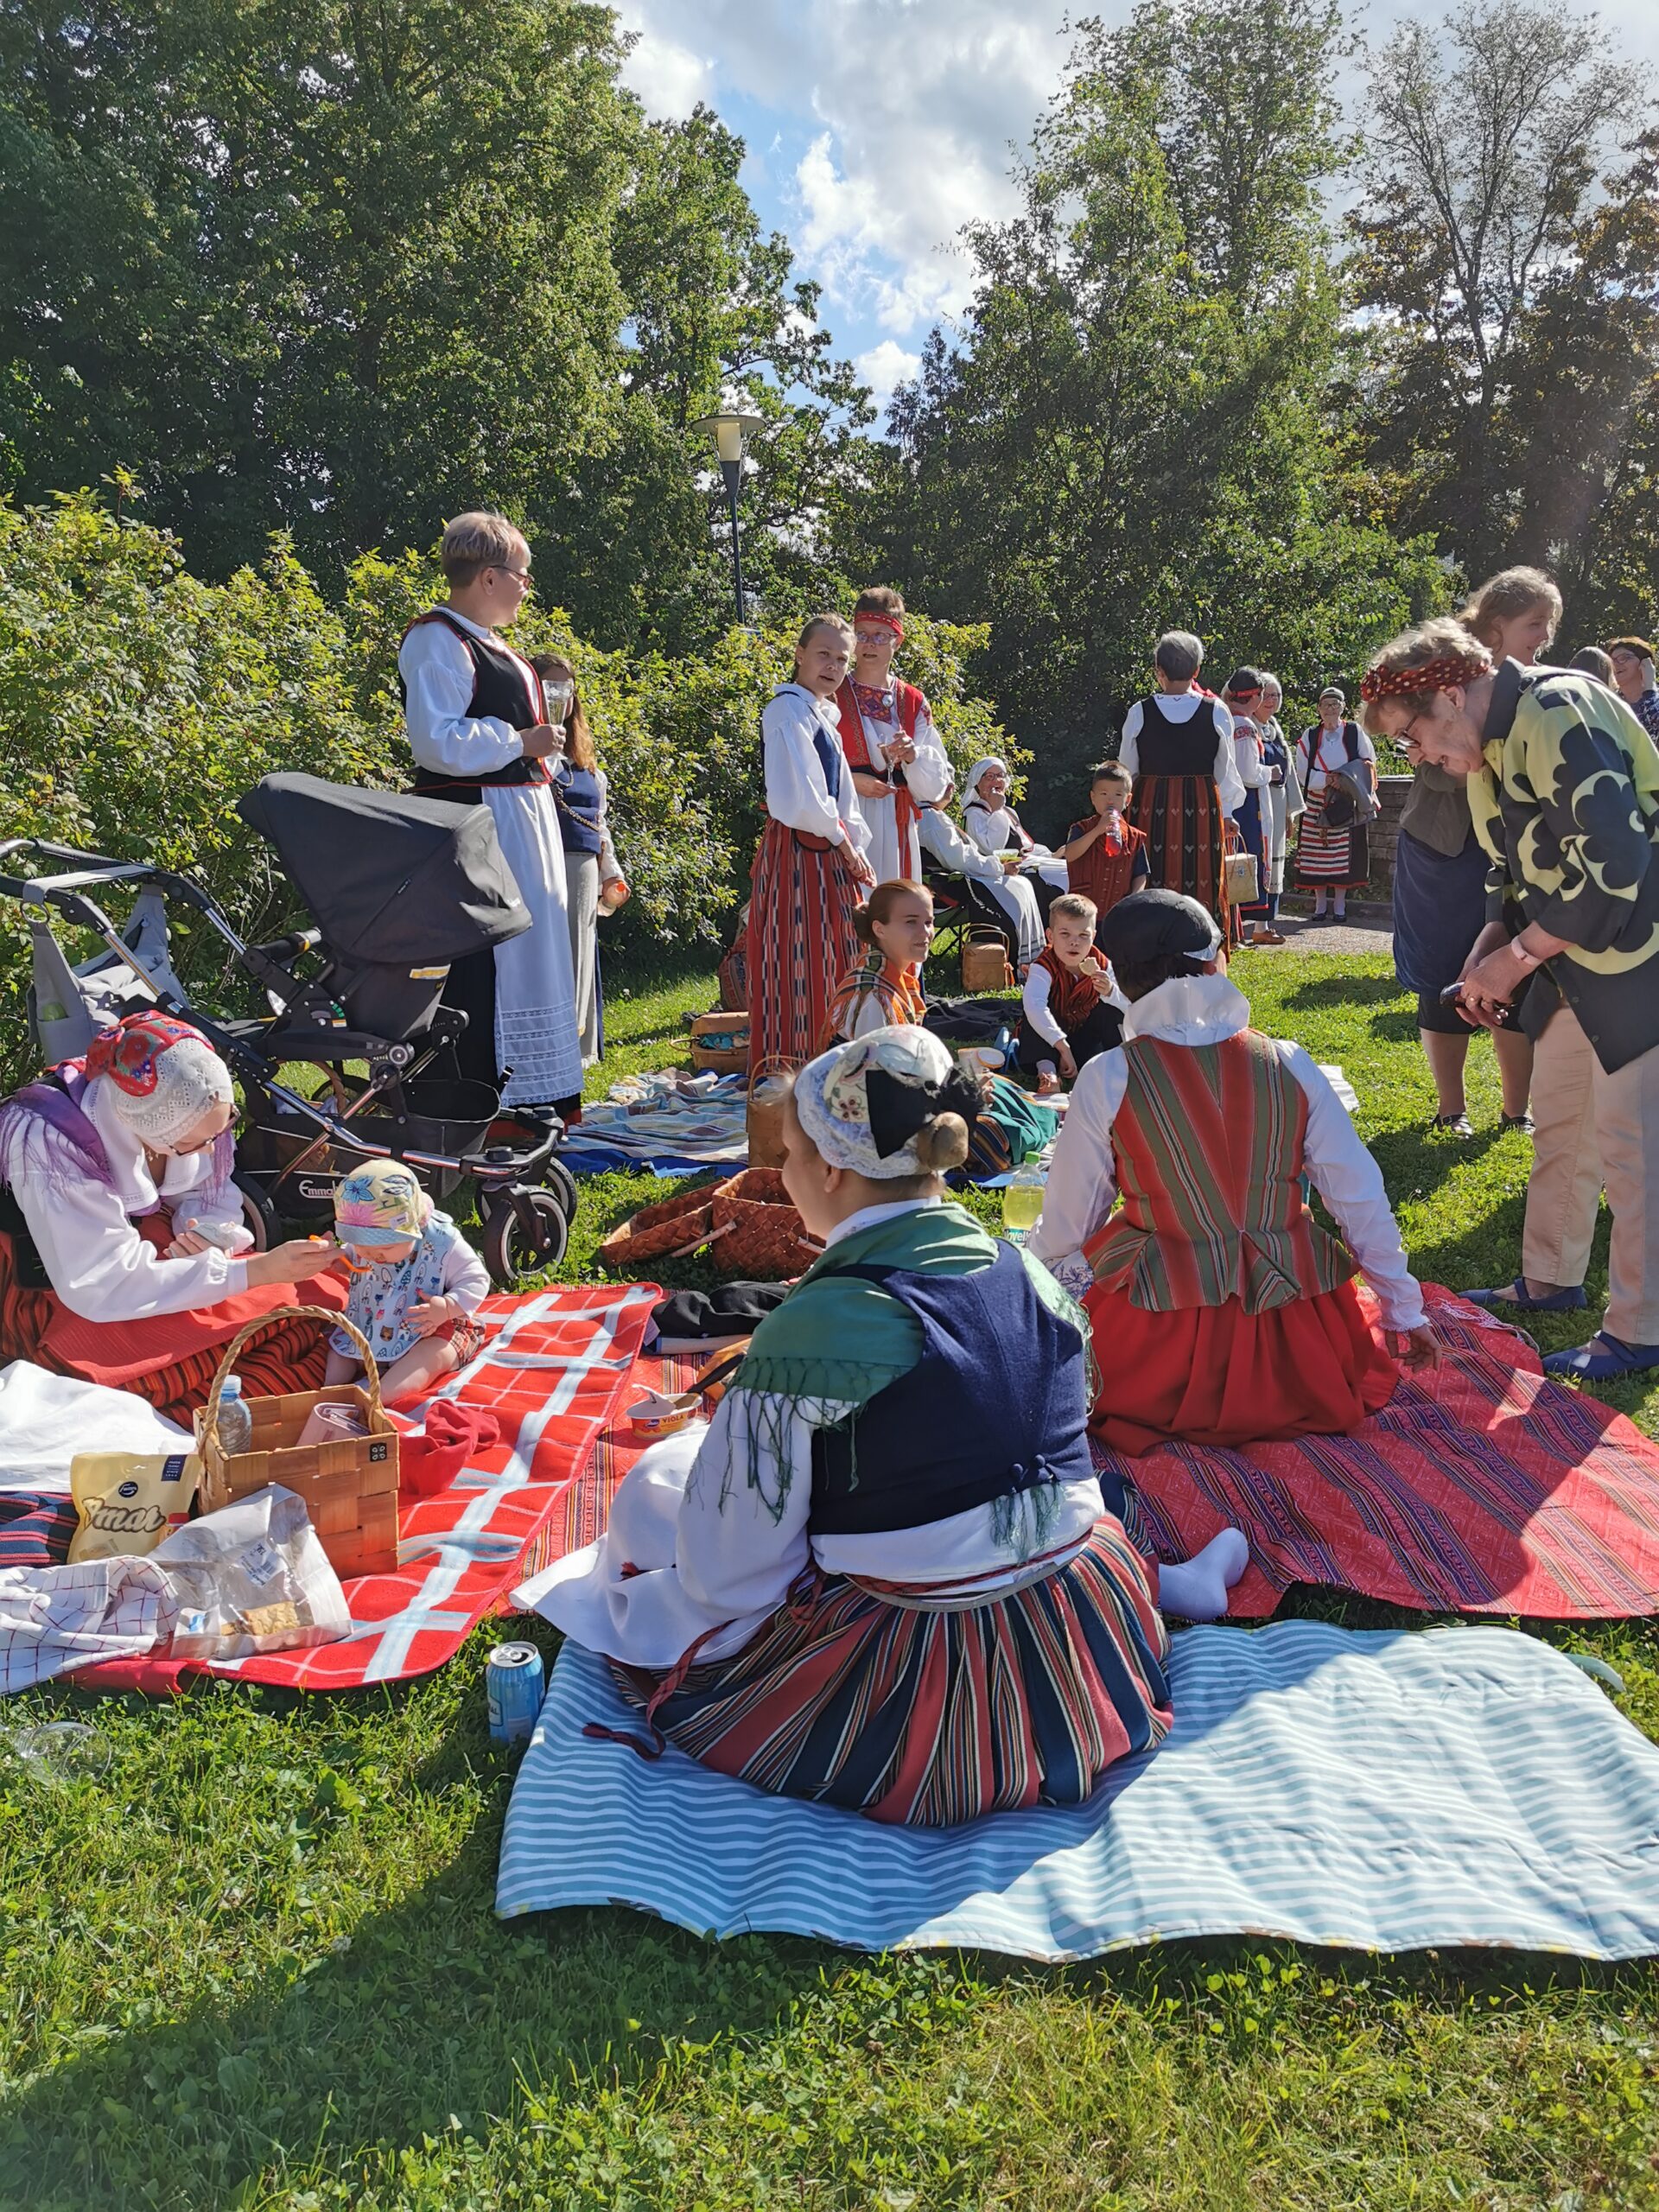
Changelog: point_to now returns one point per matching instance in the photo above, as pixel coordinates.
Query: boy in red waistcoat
(1105, 859)
(1066, 1009)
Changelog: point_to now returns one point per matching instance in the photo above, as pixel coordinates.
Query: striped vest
(1208, 1143)
(896, 991)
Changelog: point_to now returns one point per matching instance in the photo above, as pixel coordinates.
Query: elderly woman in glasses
(886, 731)
(1563, 788)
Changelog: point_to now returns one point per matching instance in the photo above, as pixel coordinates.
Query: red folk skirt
(855, 1698)
(800, 943)
(169, 1359)
(1217, 1375)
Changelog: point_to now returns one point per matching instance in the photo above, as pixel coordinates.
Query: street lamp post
(727, 429)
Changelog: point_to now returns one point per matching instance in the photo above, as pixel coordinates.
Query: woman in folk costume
(884, 1577)
(946, 847)
(124, 1258)
(1331, 857)
(594, 884)
(1243, 698)
(1222, 1312)
(1281, 796)
(480, 733)
(997, 828)
(810, 866)
(887, 733)
(1177, 745)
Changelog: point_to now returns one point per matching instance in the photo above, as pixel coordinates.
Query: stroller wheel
(258, 1213)
(558, 1178)
(526, 1233)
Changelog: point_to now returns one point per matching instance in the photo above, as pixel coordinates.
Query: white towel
(46, 1419)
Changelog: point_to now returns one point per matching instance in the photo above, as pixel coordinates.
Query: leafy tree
(1486, 252)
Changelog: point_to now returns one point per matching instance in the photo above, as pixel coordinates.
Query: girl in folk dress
(896, 929)
(810, 866)
(594, 879)
(886, 731)
(1329, 859)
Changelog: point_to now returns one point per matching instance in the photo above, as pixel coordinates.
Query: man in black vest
(1177, 745)
(479, 731)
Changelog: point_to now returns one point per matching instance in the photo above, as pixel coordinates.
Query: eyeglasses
(1402, 736)
(522, 575)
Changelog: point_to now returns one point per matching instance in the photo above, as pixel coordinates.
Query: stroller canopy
(391, 881)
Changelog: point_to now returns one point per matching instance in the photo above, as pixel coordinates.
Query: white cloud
(885, 367)
(669, 78)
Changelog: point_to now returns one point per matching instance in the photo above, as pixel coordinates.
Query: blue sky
(876, 128)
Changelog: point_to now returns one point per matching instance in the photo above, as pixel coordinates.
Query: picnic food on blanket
(252, 1577)
(659, 1415)
(129, 1501)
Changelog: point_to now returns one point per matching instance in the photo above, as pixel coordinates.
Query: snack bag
(252, 1577)
(129, 1501)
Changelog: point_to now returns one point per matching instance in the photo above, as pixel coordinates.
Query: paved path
(1358, 934)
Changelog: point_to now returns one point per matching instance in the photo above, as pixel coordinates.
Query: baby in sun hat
(416, 1283)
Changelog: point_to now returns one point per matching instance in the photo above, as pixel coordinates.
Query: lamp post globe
(727, 429)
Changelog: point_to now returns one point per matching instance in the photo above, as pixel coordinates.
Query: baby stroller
(347, 1065)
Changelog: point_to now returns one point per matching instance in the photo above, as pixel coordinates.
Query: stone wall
(1392, 791)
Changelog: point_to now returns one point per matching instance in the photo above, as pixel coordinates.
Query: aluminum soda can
(513, 1683)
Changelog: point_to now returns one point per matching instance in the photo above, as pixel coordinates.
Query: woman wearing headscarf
(993, 825)
(884, 1576)
(124, 1257)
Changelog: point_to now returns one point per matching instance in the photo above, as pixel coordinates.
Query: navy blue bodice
(575, 793)
(998, 1403)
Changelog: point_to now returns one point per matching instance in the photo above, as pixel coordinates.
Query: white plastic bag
(252, 1577)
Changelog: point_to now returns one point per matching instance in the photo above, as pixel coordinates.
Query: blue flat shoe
(1603, 1359)
(1515, 1298)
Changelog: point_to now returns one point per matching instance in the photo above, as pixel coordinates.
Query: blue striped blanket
(1384, 1790)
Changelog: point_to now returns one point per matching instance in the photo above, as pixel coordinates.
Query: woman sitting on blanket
(883, 1577)
(897, 923)
(1222, 1312)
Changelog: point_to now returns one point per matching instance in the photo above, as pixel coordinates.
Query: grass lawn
(255, 1964)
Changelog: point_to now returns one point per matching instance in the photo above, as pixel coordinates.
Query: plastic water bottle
(235, 1420)
(1022, 1198)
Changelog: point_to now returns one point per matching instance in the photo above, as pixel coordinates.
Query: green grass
(254, 1965)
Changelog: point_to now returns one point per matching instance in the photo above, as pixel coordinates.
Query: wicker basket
(721, 1041)
(757, 1235)
(766, 1113)
(985, 961)
(349, 1487)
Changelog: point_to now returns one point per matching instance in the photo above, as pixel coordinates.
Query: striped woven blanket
(1389, 1790)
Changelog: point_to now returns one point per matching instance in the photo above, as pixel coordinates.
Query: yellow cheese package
(128, 1501)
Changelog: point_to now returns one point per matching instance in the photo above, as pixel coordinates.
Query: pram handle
(62, 888)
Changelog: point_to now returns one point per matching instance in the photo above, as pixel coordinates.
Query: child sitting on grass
(895, 926)
(416, 1284)
(1105, 859)
(1068, 1009)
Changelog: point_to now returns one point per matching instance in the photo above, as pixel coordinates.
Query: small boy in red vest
(1105, 858)
(1068, 1009)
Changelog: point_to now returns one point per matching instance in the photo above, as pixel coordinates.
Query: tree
(1130, 433)
(1478, 229)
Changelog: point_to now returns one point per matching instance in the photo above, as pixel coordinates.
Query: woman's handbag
(349, 1486)
(1242, 880)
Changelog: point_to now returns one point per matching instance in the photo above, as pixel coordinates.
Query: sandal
(1515, 1298)
(1603, 1359)
(1452, 1125)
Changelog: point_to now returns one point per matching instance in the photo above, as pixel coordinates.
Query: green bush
(137, 703)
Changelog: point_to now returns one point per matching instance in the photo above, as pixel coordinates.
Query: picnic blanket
(670, 1122)
(1376, 1790)
(554, 1366)
(1484, 1488)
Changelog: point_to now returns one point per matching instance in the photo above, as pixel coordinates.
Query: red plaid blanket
(1484, 1488)
(553, 1370)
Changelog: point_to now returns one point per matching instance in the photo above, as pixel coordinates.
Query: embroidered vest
(860, 747)
(1071, 997)
(1103, 874)
(1168, 747)
(575, 793)
(896, 991)
(998, 1404)
(506, 689)
(1209, 1144)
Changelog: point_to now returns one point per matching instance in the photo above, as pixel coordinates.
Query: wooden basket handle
(210, 1418)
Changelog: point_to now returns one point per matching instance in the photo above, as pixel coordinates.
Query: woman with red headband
(886, 731)
(125, 1259)
(1563, 785)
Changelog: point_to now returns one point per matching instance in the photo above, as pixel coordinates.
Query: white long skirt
(1014, 895)
(582, 885)
(536, 1032)
(893, 860)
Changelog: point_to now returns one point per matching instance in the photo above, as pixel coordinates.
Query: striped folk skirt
(801, 942)
(852, 1696)
(1181, 817)
(1330, 860)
